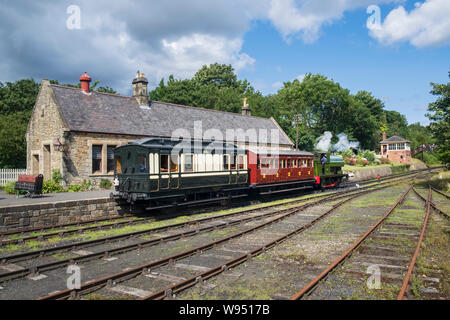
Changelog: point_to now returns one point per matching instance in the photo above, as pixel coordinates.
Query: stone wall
(44, 128)
(78, 158)
(46, 214)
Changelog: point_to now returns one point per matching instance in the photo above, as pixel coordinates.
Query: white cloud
(117, 38)
(428, 24)
(301, 77)
(305, 18)
(277, 85)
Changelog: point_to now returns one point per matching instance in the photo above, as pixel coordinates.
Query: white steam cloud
(344, 144)
(324, 142)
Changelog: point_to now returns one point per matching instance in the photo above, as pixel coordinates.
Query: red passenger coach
(283, 169)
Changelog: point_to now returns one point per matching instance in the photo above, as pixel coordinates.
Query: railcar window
(289, 163)
(258, 164)
(188, 163)
(226, 162)
(174, 163)
(276, 164)
(97, 158)
(164, 163)
(142, 163)
(118, 165)
(241, 162)
(110, 161)
(233, 162)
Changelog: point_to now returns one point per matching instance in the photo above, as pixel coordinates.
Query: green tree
(12, 139)
(18, 96)
(439, 115)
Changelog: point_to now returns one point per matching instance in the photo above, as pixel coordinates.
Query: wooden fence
(7, 175)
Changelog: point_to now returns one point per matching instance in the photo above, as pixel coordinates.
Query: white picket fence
(7, 175)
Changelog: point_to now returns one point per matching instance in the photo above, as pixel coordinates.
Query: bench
(31, 184)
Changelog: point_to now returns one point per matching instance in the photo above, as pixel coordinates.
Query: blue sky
(398, 74)
(268, 42)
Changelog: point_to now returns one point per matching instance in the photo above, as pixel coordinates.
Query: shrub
(105, 184)
(75, 188)
(86, 185)
(385, 160)
(9, 188)
(346, 153)
(350, 161)
(362, 162)
(56, 176)
(368, 155)
(50, 186)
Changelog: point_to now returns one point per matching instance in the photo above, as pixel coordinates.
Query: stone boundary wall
(384, 171)
(47, 214)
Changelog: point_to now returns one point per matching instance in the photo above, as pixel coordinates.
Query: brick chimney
(246, 109)
(384, 136)
(85, 81)
(140, 89)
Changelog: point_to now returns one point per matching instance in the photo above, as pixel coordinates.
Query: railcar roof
(164, 143)
(281, 152)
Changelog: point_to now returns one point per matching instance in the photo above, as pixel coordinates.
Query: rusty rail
(440, 192)
(432, 205)
(121, 276)
(416, 252)
(338, 261)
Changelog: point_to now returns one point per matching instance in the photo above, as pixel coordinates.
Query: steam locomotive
(160, 173)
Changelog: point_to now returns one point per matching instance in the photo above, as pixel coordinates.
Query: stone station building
(75, 130)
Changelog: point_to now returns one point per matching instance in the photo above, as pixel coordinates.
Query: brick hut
(396, 149)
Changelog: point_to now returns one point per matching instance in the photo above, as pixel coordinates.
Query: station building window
(110, 159)
(97, 158)
(118, 165)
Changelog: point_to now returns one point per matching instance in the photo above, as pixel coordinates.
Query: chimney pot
(140, 88)
(85, 82)
(246, 109)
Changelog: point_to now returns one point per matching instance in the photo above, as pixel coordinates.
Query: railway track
(23, 235)
(383, 252)
(18, 271)
(35, 270)
(134, 222)
(145, 271)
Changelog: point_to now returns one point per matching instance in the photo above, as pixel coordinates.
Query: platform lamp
(59, 146)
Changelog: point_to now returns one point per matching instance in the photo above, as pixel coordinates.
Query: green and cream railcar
(161, 171)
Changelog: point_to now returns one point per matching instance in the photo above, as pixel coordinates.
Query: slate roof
(109, 113)
(394, 139)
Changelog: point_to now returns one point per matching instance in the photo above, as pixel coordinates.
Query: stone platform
(57, 208)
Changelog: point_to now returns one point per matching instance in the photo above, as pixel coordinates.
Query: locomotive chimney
(140, 89)
(85, 81)
(246, 109)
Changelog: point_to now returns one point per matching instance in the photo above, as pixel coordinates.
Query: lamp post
(296, 119)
